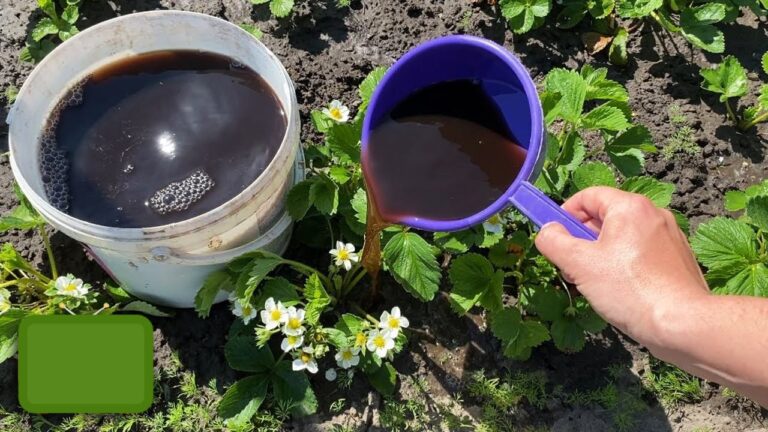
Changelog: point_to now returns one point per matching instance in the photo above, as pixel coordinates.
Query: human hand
(638, 271)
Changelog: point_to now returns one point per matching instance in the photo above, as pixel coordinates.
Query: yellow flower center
(343, 254)
(306, 358)
(294, 323)
(494, 220)
(346, 355)
(360, 339)
(276, 315)
(379, 341)
(394, 322)
(335, 113)
(247, 309)
(292, 340)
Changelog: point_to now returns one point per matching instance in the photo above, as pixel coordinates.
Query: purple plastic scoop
(453, 58)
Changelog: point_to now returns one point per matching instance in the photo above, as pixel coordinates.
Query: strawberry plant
(25, 290)
(734, 250)
(54, 26)
(612, 21)
(729, 80)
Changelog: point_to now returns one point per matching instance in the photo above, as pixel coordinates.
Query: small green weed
(52, 28)
(671, 384)
(682, 139)
(10, 94)
(729, 80)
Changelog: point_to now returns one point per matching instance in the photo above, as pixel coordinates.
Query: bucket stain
(130, 263)
(215, 243)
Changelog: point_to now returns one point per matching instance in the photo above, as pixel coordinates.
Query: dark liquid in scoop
(443, 153)
(159, 138)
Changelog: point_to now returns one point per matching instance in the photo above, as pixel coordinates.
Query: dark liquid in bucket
(443, 153)
(159, 138)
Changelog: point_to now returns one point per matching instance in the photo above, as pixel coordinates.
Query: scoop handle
(540, 209)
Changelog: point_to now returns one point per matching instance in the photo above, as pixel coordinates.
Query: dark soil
(328, 51)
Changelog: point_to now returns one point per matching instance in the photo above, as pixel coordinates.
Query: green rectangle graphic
(85, 364)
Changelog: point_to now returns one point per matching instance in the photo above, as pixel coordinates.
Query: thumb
(567, 252)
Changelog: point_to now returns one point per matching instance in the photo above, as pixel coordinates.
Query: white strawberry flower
(344, 254)
(71, 287)
(393, 321)
(330, 374)
(348, 357)
(337, 111)
(291, 342)
(294, 323)
(5, 300)
(244, 310)
(380, 342)
(305, 360)
(494, 224)
(274, 314)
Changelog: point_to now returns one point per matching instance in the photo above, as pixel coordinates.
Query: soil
(328, 51)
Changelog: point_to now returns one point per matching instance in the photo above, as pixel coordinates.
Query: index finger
(594, 202)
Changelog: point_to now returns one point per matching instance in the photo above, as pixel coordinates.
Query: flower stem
(309, 271)
(49, 250)
(759, 119)
(731, 114)
(362, 312)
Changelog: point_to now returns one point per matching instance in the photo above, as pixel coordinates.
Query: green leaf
(599, 87)
(8, 347)
(49, 7)
(606, 118)
(67, 32)
(762, 99)
(457, 241)
(383, 379)
(359, 203)
(508, 252)
(317, 299)
(43, 28)
(258, 2)
(324, 194)
(696, 26)
(549, 303)
(321, 121)
(511, 8)
(350, 324)
(70, 14)
(254, 31)
(336, 337)
(765, 62)
(523, 22)
(243, 399)
(572, 14)
(725, 244)
(637, 8)
(568, 335)
(541, 8)
(214, 283)
(243, 354)
(657, 191)
(735, 200)
(22, 218)
(145, 308)
(601, 8)
(570, 90)
(9, 326)
(339, 174)
(261, 267)
(751, 281)
(573, 152)
(617, 53)
(290, 386)
(369, 84)
(280, 289)
(412, 263)
(757, 211)
(635, 137)
(729, 79)
(475, 281)
(281, 8)
(517, 336)
(593, 174)
(344, 141)
(298, 200)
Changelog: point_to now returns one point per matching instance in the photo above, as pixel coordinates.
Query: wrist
(675, 323)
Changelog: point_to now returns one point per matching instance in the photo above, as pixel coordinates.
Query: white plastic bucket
(165, 264)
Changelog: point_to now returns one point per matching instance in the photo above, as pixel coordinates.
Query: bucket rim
(186, 226)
